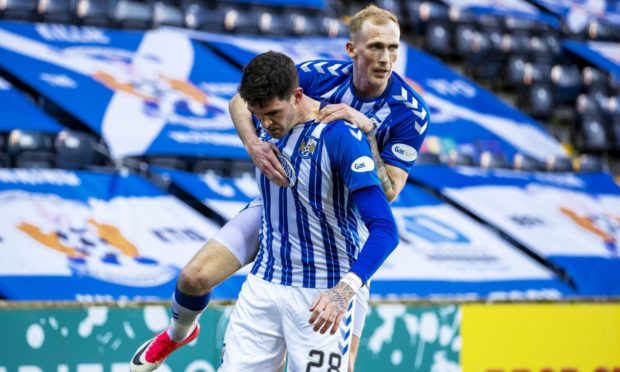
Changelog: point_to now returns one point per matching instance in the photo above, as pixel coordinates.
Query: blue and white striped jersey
(311, 232)
(400, 113)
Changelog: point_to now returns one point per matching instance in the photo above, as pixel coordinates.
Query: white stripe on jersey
(309, 235)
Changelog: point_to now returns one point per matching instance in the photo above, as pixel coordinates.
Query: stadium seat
(74, 150)
(428, 158)
(300, 24)
(241, 20)
(412, 10)
(556, 163)
(27, 141)
(432, 11)
(460, 158)
(600, 30)
(594, 80)
(526, 163)
(490, 160)
(170, 162)
(393, 6)
(271, 23)
(590, 163)
(199, 16)
(241, 168)
(18, 9)
(537, 100)
(218, 166)
(55, 11)
(333, 27)
(165, 14)
(591, 133)
(566, 80)
(34, 159)
(92, 12)
(129, 14)
(5, 161)
(438, 38)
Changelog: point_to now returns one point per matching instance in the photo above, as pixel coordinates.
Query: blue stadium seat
(555, 163)
(20, 141)
(34, 159)
(438, 38)
(594, 80)
(526, 163)
(129, 14)
(428, 158)
(591, 133)
(456, 157)
(201, 17)
(590, 163)
(165, 14)
(19, 9)
(170, 162)
(567, 82)
(492, 160)
(92, 13)
(5, 161)
(74, 150)
(333, 27)
(56, 11)
(218, 166)
(537, 100)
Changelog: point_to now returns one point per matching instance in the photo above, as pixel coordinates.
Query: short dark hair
(267, 77)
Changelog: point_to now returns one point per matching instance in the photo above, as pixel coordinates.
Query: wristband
(353, 281)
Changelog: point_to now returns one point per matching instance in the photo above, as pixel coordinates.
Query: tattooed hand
(329, 308)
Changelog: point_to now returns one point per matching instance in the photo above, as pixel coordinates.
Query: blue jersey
(402, 117)
(311, 232)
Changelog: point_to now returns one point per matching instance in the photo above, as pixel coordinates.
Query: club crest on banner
(93, 248)
(603, 225)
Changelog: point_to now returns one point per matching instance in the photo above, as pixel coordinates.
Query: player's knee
(194, 281)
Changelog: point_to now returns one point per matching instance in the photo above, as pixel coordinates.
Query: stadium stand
(103, 184)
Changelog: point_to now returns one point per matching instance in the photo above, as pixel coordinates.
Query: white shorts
(240, 237)
(270, 320)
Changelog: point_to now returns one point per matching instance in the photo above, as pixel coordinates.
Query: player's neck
(308, 110)
(364, 90)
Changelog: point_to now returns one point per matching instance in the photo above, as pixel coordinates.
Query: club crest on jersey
(307, 147)
(288, 169)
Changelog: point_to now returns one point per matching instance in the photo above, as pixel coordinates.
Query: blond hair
(370, 13)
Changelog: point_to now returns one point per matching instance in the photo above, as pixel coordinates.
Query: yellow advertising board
(540, 338)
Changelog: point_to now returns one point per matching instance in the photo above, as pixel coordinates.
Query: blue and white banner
(154, 93)
(571, 220)
(578, 13)
(443, 253)
(504, 8)
(17, 112)
(604, 55)
(87, 236)
(224, 195)
(463, 114)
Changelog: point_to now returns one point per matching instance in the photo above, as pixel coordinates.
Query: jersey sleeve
(402, 147)
(306, 77)
(349, 151)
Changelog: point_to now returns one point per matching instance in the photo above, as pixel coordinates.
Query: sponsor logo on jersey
(307, 147)
(404, 152)
(363, 164)
(288, 169)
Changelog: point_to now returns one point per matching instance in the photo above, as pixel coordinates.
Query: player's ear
(298, 93)
(351, 51)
